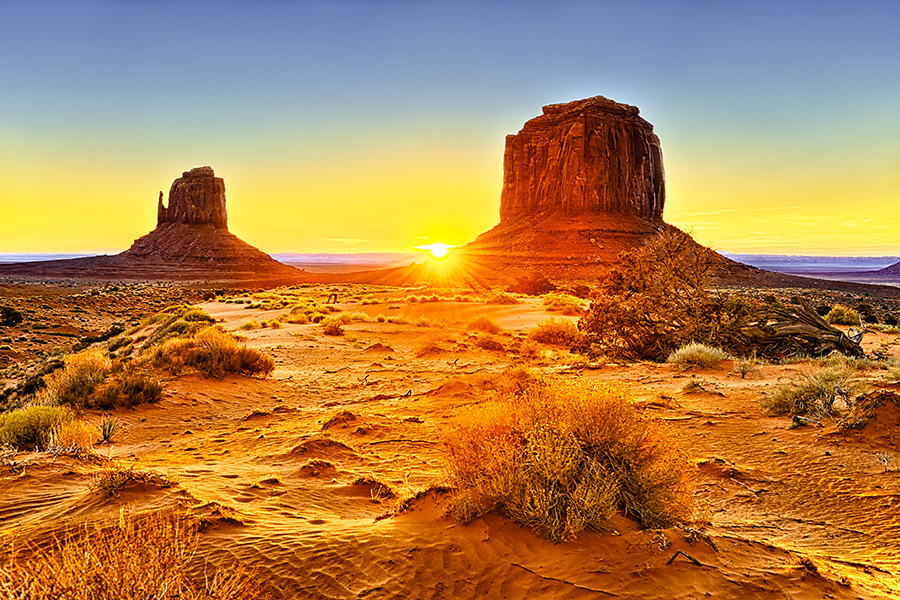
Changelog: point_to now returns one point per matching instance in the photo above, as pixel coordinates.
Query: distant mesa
(191, 242)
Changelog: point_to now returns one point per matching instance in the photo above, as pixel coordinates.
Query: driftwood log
(798, 329)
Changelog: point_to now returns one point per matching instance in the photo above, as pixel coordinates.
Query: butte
(581, 183)
(191, 242)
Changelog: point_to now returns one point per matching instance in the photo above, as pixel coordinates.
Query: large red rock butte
(581, 182)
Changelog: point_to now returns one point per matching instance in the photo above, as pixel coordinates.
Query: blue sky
(370, 125)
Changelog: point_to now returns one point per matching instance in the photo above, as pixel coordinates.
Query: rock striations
(195, 198)
(191, 242)
(581, 182)
(581, 158)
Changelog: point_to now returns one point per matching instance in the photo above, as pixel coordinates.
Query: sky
(368, 125)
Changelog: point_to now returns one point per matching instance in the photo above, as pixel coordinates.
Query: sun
(437, 250)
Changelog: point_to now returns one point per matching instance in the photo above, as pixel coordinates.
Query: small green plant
(697, 355)
(556, 332)
(250, 325)
(485, 324)
(107, 428)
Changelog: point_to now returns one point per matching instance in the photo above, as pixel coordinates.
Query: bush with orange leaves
(562, 456)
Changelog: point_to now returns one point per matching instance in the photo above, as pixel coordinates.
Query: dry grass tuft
(556, 332)
(75, 382)
(485, 324)
(112, 479)
(560, 457)
(564, 304)
(139, 558)
(812, 393)
(503, 298)
(332, 325)
(214, 353)
(697, 355)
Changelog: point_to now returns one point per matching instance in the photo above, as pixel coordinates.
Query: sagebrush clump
(812, 393)
(697, 355)
(214, 353)
(556, 332)
(563, 456)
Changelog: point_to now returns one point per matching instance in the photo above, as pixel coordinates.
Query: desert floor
(327, 476)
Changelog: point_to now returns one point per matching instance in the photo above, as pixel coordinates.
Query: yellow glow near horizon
(437, 250)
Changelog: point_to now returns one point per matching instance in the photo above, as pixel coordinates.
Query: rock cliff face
(581, 182)
(195, 198)
(584, 157)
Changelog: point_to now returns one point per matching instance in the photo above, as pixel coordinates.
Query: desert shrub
(126, 388)
(10, 317)
(177, 321)
(138, 558)
(214, 353)
(110, 332)
(422, 322)
(533, 284)
(890, 319)
(745, 366)
(556, 332)
(697, 355)
(867, 312)
(561, 456)
(381, 318)
(503, 298)
(250, 325)
(823, 309)
(692, 387)
(332, 326)
(656, 300)
(119, 342)
(811, 393)
(842, 315)
(485, 324)
(397, 320)
(76, 381)
(31, 427)
(529, 349)
(564, 304)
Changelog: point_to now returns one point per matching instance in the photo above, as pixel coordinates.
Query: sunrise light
(437, 250)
